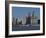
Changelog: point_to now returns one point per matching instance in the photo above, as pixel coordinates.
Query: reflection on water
(26, 27)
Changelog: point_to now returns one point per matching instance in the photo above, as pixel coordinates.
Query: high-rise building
(13, 21)
(16, 21)
(28, 19)
(34, 18)
(24, 20)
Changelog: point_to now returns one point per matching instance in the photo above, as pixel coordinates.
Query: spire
(29, 14)
(33, 15)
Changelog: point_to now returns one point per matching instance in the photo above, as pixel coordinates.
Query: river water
(26, 27)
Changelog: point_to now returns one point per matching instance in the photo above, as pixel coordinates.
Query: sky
(23, 11)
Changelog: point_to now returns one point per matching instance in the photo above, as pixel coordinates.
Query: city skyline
(25, 18)
(22, 12)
